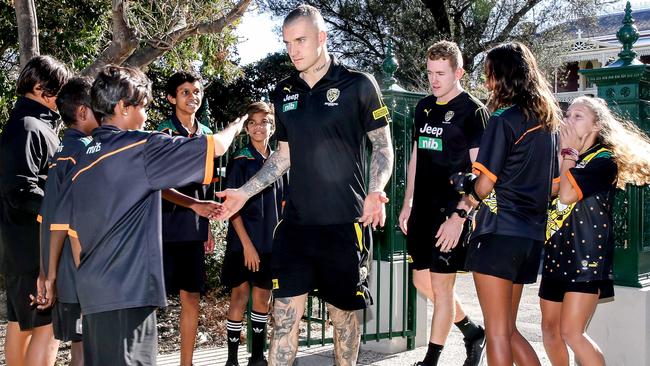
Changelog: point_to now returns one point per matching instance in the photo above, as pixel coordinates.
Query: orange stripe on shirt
(214, 180)
(59, 227)
(481, 168)
(209, 160)
(68, 158)
(73, 233)
(556, 180)
(575, 185)
(107, 155)
(527, 132)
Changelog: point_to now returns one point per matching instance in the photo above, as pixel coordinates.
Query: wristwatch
(461, 212)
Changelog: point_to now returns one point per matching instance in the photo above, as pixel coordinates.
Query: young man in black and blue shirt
(28, 141)
(185, 229)
(111, 205)
(447, 132)
(73, 104)
(247, 262)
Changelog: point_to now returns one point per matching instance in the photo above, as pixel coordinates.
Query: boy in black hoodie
(27, 143)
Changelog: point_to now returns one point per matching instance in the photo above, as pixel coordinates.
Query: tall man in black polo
(324, 114)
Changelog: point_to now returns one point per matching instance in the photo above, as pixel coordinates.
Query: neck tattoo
(319, 68)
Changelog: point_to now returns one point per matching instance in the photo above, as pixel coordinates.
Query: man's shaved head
(305, 11)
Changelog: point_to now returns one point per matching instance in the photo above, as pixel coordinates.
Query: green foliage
(76, 31)
(359, 30)
(228, 99)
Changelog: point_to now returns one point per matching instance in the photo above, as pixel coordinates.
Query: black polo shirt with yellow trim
(261, 212)
(443, 134)
(580, 244)
(112, 204)
(520, 157)
(72, 144)
(326, 129)
(182, 224)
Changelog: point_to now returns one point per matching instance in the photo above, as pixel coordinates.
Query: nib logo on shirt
(258, 330)
(94, 149)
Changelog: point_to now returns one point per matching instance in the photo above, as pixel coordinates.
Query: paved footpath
(454, 353)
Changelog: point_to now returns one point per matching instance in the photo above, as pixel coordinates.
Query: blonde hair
(629, 145)
(445, 50)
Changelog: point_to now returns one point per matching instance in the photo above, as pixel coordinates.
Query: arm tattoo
(272, 170)
(381, 160)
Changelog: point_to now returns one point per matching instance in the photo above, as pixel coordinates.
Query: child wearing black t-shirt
(250, 234)
(516, 162)
(598, 153)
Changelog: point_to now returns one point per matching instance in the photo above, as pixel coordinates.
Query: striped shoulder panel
(244, 153)
(500, 111)
(86, 140)
(166, 126)
(205, 129)
(605, 154)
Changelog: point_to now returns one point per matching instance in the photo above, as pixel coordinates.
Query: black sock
(258, 322)
(234, 333)
(433, 354)
(469, 329)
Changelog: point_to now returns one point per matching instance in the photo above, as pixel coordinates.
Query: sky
(259, 31)
(259, 36)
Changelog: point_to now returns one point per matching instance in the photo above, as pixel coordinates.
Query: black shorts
(234, 272)
(19, 287)
(64, 321)
(184, 264)
(330, 261)
(513, 258)
(421, 246)
(553, 290)
(120, 337)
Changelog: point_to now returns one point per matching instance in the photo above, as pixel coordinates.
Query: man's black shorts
(120, 337)
(19, 287)
(554, 290)
(330, 261)
(512, 258)
(234, 272)
(64, 321)
(421, 246)
(184, 264)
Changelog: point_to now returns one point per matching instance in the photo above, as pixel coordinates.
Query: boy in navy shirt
(27, 143)
(186, 233)
(112, 208)
(74, 105)
(250, 236)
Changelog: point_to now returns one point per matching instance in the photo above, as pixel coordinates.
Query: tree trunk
(27, 30)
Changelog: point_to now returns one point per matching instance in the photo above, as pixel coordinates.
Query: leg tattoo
(347, 336)
(284, 340)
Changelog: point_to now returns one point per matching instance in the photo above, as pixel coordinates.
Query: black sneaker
(257, 362)
(230, 363)
(420, 363)
(475, 349)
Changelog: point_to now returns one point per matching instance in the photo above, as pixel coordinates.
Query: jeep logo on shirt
(289, 98)
(435, 131)
(430, 143)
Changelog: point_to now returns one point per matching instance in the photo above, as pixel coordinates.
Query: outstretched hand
(233, 201)
(207, 209)
(374, 209)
